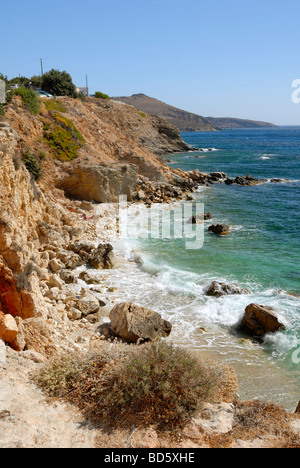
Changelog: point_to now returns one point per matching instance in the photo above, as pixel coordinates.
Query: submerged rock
(219, 229)
(134, 323)
(218, 289)
(259, 320)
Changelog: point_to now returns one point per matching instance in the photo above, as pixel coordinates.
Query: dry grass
(267, 424)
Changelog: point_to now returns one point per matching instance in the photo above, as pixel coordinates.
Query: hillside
(184, 121)
(228, 122)
(187, 121)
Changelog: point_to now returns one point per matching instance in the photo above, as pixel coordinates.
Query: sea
(262, 253)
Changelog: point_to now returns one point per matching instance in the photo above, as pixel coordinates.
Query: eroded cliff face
(29, 219)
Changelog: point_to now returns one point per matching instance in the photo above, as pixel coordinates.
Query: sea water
(261, 253)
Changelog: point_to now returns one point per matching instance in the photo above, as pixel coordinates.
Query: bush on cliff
(100, 95)
(30, 99)
(155, 383)
(32, 165)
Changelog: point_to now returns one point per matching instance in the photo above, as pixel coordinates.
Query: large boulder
(218, 289)
(102, 183)
(259, 320)
(8, 327)
(134, 323)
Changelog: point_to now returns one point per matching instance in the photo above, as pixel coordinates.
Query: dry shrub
(268, 421)
(155, 383)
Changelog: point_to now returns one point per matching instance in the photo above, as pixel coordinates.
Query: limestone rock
(38, 336)
(67, 276)
(102, 183)
(103, 257)
(218, 289)
(133, 323)
(8, 327)
(259, 320)
(56, 265)
(88, 304)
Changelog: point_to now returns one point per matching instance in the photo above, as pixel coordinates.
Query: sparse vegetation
(32, 165)
(55, 105)
(156, 383)
(63, 138)
(30, 99)
(100, 95)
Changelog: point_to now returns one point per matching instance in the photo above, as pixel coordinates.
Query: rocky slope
(52, 296)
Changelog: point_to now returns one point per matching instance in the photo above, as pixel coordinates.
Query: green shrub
(2, 111)
(154, 384)
(30, 99)
(58, 83)
(100, 95)
(32, 165)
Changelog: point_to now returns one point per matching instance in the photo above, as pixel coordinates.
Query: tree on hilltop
(58, 83)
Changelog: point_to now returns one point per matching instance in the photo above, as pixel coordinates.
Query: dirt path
(27, 420)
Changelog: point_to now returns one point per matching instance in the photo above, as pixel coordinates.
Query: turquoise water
(261, 253)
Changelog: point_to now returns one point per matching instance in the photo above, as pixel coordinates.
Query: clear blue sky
(229, 58)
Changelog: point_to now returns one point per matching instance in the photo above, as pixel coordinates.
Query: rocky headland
(56, 236)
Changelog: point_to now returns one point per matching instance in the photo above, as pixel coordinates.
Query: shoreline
(256, 369)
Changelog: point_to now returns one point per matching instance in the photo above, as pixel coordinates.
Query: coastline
(260, 376)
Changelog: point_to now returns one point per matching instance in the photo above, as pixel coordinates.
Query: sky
(221, 58)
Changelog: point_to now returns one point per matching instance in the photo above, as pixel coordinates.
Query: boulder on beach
(218, 289)
(219, 229)
(259, 320)
(133, 323)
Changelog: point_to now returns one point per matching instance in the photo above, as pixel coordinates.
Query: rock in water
(217, 289)
(195, 219)
(219, 229)
(260, 320)
(133, 323)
